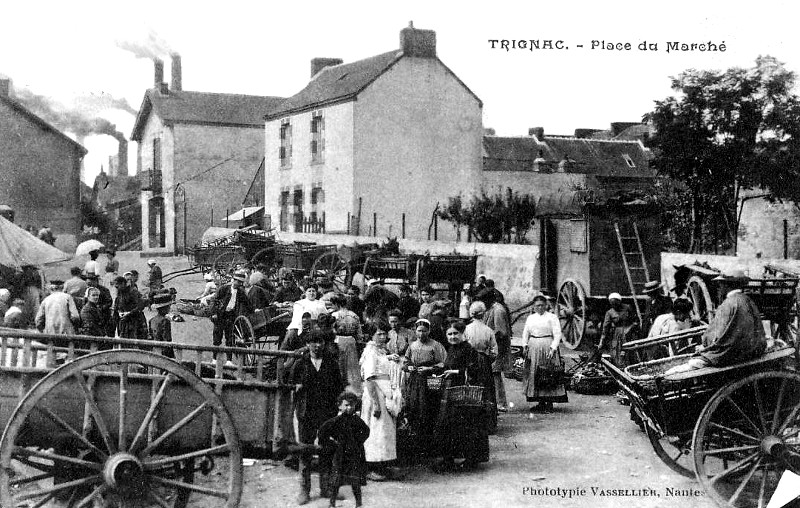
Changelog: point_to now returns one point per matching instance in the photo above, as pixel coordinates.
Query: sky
(74, 54)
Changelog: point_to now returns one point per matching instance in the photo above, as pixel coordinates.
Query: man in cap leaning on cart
(735, 334)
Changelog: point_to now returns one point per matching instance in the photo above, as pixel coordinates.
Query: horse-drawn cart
(90, 419)
(775, 296)
(735, 428)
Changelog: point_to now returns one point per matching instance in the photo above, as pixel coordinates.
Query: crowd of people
(386, 356)
(86, 303)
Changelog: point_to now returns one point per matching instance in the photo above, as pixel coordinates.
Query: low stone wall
(753, 267)
(514, 268)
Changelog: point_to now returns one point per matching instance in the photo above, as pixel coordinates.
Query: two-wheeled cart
(92, 420)
(736, 428)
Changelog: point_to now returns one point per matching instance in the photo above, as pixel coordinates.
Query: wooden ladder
(630, 247)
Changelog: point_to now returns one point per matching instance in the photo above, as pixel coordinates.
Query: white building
(374, 145)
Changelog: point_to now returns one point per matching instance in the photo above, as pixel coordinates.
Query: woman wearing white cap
(617, 324)
(542, 336)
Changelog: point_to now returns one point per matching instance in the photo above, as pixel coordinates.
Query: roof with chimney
(342, 83)
(16, 106)
(204, 108)
(567, 154)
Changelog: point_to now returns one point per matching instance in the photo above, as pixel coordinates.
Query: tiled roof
(586, 156)
(337, 83)
(46, 126)
(204, 108)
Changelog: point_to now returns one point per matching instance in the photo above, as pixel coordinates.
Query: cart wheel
(226, 262)
(672, 450)
(571, 311)
(244, 335)
(748, 434)
(698, 294)
(267, 256)
(167, 415)
(332, 266)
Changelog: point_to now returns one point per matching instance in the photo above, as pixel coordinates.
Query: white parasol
(87, 247)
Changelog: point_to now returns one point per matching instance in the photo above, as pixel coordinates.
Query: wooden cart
(736, 428)
(443, 272)
(775, 295)
(591, 247)
(92, 419)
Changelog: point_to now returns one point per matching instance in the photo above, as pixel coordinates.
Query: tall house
(39, 171)
(198, 152)
(373, 145)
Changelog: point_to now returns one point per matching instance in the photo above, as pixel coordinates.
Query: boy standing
(342, 441)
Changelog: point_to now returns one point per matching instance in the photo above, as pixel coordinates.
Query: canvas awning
(19, 248)
(244, 213)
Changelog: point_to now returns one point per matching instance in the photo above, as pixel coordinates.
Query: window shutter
(282, 152)
(313, 148)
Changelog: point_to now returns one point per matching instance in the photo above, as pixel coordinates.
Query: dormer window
(628, 160)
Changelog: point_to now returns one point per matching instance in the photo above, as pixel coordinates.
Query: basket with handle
(435, 382)
(466, 394)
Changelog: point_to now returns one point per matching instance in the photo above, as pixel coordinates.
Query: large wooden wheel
(698, 294)
(120, 428)
(674, 451)
(227, 262)
(748, 434)
(245, 336)
(571, 312)
(331, 266)
(268, 256)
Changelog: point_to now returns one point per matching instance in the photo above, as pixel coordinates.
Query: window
(577, 235)
(628, 160)
(317, 137)
(317, 199)
(284, 204)
(285, 151)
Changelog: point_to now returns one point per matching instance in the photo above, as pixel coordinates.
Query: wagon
(263, 329)
(736, 429)
(592, 246)
(775, 297)
(442, 272)
(92, 419)
(227, 250)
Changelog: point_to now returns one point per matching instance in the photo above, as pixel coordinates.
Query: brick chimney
(177, 73)
(5, 87)
(158, 73)
(418, 43)
(585, 133)
(489, 131)
(317, 64)
(122, 153)
(536, 131)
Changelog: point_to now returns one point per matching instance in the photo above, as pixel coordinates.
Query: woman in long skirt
(542, 336)
(376, 366)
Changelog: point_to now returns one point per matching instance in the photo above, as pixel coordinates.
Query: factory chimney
(177, 74)
(122, 153)
(158, 70)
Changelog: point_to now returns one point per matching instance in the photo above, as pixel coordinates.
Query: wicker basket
(593, 385)
(465, 395)
(202, 310)
(645, 374)
(185, 308)
(435, 383)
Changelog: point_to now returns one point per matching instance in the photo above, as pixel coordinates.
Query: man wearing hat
(658, 303)
(57, 313)
(154, 279)
(735, 334)
(618, 323)
(160, 327)
(231, 302)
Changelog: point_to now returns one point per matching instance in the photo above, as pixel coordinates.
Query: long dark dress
(463, 431)
(421, 404)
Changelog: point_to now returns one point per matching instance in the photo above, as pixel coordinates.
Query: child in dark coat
(342, 441)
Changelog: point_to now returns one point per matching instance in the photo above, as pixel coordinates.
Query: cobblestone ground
(586, 454)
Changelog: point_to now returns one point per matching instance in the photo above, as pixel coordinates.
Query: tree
(724, 132)
(492, 219)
